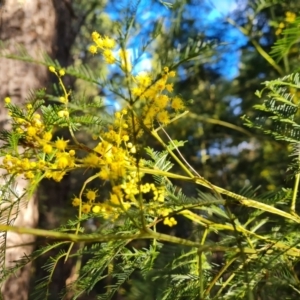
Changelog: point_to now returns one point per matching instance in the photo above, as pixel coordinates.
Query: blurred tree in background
(32, 26)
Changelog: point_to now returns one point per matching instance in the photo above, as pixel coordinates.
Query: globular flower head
(177, 104)
(95, 35)
(163, 117)
(7, 100)
(170, 221)
(61, 144)
(62, 72)
(47, 136)
(93, 49)
(91, 195)
(63, 114)
(109, 56)
(76, 201)
(47, 148)
(52, 69)
(86, 208)
(108, 43)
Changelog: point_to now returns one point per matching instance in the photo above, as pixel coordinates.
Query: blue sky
(233, 38)
(221, 7)
(208, 20)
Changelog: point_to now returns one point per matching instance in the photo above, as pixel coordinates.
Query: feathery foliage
(152, 238)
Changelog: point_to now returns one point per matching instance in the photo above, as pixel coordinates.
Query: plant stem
(200, 269)
(216, 278)
(295, 190)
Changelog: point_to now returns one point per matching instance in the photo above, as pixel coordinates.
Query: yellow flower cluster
(123, 197)
(114, 206)
(91, 196)
(169, 221)
(114, 155)
(59, 73)
(125, 60)
(51, 158)
(63, 160)
(290, 17)
(106, 46)
(157, 102)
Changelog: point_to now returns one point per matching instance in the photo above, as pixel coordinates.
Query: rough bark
(36, 25)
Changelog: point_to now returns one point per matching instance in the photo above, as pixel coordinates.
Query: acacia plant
(131, 251)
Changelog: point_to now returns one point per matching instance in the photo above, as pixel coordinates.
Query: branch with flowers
(142, 193)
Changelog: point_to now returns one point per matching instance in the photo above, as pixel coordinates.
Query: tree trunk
(37, 25)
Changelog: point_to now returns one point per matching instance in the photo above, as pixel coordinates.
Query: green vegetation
(147, 220)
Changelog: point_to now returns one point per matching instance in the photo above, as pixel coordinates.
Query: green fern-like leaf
(291, 37)
(278, 113)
